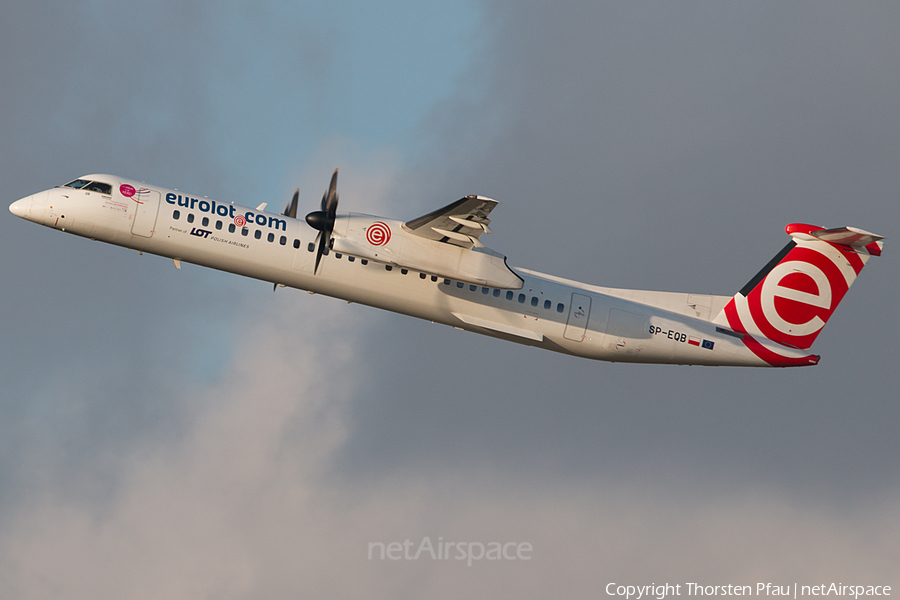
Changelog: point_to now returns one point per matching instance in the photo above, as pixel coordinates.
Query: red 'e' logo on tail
(797, 297)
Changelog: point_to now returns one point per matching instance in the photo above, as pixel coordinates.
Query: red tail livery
(791, 298)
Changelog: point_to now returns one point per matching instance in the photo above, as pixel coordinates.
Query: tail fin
(793, 296)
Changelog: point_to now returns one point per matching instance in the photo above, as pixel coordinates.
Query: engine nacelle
(388, 241)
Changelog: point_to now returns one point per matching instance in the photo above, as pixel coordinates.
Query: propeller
(323, 220)
(291, 209)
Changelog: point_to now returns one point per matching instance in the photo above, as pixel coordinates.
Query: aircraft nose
(20, 207)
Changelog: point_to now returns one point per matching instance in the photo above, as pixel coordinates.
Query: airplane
(436, 267)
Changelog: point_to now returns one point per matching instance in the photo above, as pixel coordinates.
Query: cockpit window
(77, 184)
(96, 186)
(91, 186)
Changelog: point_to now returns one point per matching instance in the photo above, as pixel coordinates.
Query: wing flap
(501, 327)
(460, 223)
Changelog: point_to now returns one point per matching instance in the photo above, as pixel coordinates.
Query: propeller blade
(291, 209)
(330, 198)
(323, 220)
(321, 242)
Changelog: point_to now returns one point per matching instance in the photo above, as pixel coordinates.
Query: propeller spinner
(323, 220)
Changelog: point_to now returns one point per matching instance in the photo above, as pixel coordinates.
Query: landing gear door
(147, 209)
(579, 312)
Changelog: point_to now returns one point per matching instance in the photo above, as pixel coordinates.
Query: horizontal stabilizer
(849, 236)
(852, 237)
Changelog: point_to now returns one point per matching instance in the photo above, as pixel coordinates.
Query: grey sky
(191, 434)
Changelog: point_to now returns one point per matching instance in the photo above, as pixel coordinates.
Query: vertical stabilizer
(793, 296)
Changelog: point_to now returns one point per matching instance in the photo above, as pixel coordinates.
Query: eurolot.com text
(791, 590)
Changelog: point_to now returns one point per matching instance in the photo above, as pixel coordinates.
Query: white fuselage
(548, 312)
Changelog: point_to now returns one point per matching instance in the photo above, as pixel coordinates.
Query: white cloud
(248, 504)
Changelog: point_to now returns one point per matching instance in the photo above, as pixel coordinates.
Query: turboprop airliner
(436, 267)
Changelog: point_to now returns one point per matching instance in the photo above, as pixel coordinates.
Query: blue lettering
(227, 210)
(170, 198)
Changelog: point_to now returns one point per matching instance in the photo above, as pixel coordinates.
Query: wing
(459, 224)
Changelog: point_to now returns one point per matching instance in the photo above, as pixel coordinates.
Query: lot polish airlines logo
(378, 234)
